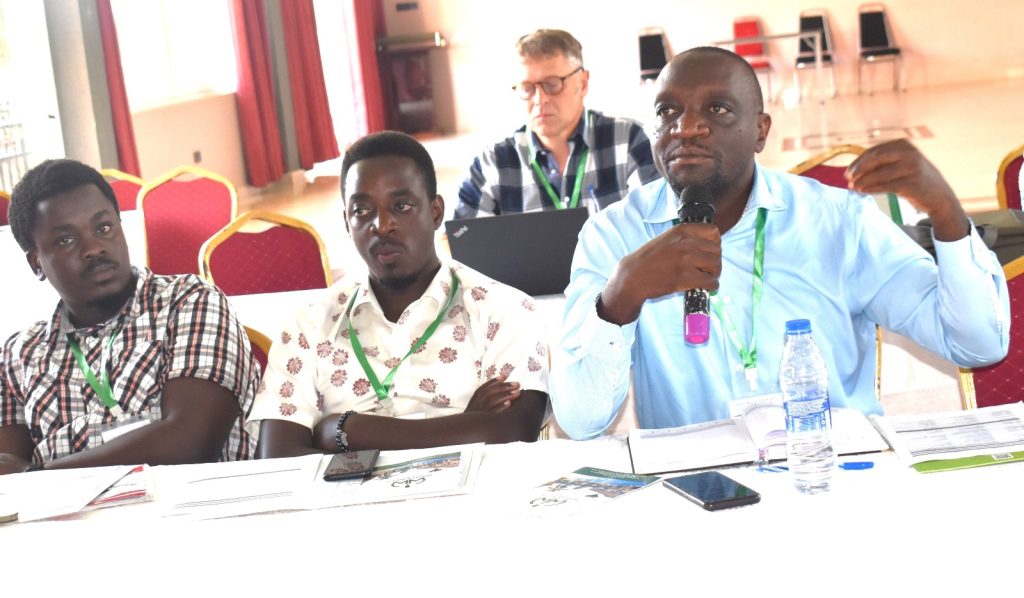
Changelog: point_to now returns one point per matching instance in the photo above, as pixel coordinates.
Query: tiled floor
(965, 130)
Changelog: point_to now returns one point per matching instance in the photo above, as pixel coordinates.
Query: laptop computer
(531, 252)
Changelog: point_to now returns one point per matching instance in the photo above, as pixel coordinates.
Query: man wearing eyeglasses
(565, 155)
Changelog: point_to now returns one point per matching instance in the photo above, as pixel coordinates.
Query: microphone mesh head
(697, 194)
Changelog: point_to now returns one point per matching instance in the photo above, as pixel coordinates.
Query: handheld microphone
(697, 207)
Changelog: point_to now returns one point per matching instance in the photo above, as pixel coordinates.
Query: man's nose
(384, 222)
(92, 247)
(690, 123)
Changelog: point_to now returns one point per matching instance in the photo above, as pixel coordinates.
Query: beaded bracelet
(340, 437)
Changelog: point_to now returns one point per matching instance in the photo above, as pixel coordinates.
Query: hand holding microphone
(697, 207)
(675, 261)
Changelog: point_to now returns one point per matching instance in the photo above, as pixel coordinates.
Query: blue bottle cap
(798, 326)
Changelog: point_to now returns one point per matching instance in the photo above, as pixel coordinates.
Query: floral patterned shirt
(489, 329)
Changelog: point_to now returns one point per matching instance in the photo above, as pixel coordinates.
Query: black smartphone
(347, 466)
(712, 490)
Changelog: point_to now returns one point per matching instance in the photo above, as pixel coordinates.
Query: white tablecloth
(883, 531)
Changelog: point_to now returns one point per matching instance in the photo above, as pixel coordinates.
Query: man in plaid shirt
(131, 368)
(565, 156)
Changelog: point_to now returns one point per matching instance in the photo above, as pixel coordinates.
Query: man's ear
(33, 262)
(764, 124)
(437, 211)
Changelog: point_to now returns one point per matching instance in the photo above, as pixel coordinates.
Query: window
(175, 49)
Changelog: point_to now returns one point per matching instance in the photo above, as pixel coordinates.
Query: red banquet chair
(1008, 181)
(5, 202)
(181, 209)
(755, 52)
(285, 254)
(126, 187)
(1000, 383)
(818, 168)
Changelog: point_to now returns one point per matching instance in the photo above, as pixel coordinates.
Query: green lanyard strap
(100, 386)
(381, 389)
(747, 355)
(577, 188)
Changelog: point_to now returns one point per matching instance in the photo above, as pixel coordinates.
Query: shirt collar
(437, 291)
(61, 320)
(579, 136)
(665, 207)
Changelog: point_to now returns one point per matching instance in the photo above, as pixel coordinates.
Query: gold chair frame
(1000, 176)
(206, 251)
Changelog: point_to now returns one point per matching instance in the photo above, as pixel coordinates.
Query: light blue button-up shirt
(830, 256)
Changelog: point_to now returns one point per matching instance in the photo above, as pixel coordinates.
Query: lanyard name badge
(383, 389)
(748, 354)
(101, 386)
(577, 188)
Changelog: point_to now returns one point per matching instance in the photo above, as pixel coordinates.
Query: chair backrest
(5, 202)
(1000, 383)
(286, 254)
(815, 20)
(260, 346)
(743, 27)
(180, 211)
(1008, 180)
(828, 174)
(874, 27)
(126, 187)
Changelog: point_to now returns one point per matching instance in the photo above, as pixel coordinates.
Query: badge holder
(123, 424)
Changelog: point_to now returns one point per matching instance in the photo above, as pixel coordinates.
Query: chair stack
(753, 51)
(876, 44)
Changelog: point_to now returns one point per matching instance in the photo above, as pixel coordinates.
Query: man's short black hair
(391, 143)
(50, 178)
(750, 73)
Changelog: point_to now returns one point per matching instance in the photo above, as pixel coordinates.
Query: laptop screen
(531, 252)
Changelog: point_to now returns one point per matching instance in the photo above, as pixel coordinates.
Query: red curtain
(369, 25)
(124, 133)
(314, 130)
(257, 111)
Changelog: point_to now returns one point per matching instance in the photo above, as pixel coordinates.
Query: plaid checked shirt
(175, 326)
(501, 180)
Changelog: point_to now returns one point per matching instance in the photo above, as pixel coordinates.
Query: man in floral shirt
(417, 353)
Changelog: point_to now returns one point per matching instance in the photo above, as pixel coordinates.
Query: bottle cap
(798, 326)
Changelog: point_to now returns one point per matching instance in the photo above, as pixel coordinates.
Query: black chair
(876, 44)
(654, 53)
(811, 21)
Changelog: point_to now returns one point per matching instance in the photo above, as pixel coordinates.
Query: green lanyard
(576, 189)
(101, 386)
(381, 389)
(747, 355)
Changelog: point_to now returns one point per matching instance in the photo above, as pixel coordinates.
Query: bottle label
(808, 411)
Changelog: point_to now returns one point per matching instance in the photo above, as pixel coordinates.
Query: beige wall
(166, 137)
(944, 42)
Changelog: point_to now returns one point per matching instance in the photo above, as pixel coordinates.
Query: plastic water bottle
(804, 381)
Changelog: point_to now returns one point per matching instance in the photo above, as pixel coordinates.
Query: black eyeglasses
(552, 86)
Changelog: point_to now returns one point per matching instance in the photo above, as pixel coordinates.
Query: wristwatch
(340, 437)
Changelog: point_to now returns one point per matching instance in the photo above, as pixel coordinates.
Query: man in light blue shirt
(829, 255)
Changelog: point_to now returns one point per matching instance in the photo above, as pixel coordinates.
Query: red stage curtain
(369, 25)
(314, 130)
(257, 111)
(124, 133)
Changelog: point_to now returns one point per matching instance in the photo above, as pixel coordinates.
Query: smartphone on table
(712, 490)
(352, 465)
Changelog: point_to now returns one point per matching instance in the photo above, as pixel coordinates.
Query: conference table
(883, 531)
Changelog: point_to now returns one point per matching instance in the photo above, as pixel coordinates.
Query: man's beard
(397, 282)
